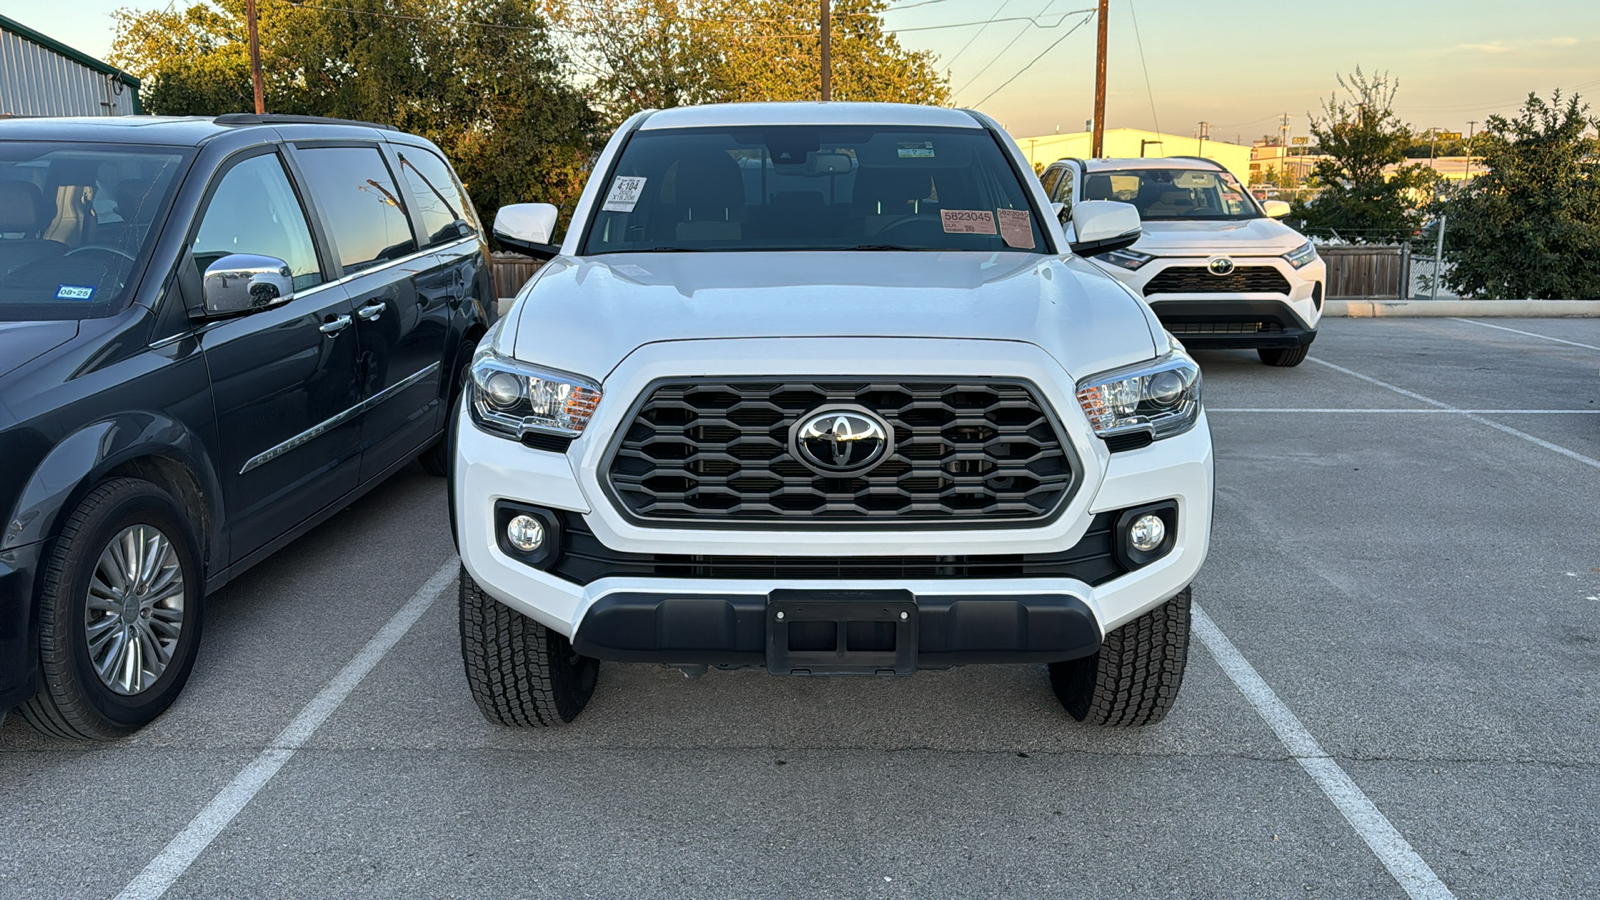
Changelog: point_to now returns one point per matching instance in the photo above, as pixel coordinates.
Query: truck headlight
(1161, 397)
(1301, 256)
(512, 398)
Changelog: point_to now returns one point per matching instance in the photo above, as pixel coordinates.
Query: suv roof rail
(1206, 159)
(285, 119)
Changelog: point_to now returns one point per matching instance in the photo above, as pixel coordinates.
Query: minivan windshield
(1174, 193)
(813, 187)
(76, 221)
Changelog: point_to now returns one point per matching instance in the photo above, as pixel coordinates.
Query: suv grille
(1196, 280)
(1223, 327)
(701, 450)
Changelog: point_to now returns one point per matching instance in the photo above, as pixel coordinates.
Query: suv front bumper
(1215, 319)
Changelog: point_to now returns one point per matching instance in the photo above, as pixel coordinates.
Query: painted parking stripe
(1554, 448)
(170, 864)
(1544, 337)
(1413, 873)
(1413, 411)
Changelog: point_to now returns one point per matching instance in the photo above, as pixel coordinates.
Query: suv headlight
(1127, 259)
(1161, 397)
(1301, 256)
(512, 398)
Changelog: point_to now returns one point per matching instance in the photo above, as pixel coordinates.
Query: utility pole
(1433, 145)
(827, 51)
(1205, 132)
(1097, 145)
(1472, 128)
(255, 57)
(1283, 142)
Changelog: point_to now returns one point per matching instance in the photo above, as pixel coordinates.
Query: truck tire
(119, 614)
(520, 672)
(1284, 357)
(1135, 676)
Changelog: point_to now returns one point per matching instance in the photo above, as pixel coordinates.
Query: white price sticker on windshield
(624, 194)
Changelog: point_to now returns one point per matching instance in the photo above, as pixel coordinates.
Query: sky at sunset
(1234, 63)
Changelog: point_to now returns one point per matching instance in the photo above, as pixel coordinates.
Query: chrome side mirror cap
(528, 228)
(241, 282)
(1275, 209)
(1100, 226)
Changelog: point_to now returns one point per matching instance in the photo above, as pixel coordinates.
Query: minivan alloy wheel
(134, 612)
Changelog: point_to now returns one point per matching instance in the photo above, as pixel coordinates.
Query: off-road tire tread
(517, 669)
(1134, 678)
(1284, 357)
(58, 708)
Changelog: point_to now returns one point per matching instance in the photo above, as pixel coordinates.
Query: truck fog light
(526, 534)
(1145, 534)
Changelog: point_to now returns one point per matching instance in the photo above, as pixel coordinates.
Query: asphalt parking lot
(1406, 562)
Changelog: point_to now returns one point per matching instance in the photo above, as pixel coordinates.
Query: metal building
(44, 77)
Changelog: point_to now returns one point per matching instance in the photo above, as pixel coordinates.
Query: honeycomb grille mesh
(1196, 280)
(701, 450)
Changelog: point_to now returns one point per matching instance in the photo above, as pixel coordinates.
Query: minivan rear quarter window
(440, 206)
(814, 187)
(366, 217)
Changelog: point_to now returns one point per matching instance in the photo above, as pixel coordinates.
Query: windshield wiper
(889, 247)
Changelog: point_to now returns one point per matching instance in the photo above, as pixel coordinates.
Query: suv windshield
(1173, 193)
(813, 187)
(75, 219)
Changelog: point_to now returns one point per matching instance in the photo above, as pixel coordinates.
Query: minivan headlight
(1161, 397)
(1301, 256)
(512, 398)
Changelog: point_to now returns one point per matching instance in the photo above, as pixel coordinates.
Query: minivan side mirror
(1275, 209)
(527, 227)
(240, 282)
(1100, 226)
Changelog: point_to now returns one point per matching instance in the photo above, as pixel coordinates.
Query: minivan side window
(366, 218)
(254, 210)
(443, 212)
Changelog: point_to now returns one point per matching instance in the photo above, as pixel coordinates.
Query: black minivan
(214, 334)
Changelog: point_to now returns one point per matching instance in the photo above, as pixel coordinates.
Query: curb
(1518, 309)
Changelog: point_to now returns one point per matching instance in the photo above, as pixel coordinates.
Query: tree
(480, 78)
(1366, 191)
(642, 54)
(1529, 227)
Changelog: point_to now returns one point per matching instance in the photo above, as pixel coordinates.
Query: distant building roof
(40, 76)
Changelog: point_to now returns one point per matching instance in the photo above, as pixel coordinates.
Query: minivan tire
(520, 672)
(1284, 357)
(1135, 676)
(75, 701)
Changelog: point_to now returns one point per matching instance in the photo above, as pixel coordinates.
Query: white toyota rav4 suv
(822, 388)
(1216, 267)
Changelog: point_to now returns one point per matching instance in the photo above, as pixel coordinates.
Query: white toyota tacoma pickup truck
(820, 387)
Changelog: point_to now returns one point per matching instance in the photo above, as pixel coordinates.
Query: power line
(998, 10)
(1147, 88)
(1004, 50)
(1025, 68)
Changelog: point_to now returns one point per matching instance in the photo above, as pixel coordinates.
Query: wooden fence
(512, 271)
(1368, 271)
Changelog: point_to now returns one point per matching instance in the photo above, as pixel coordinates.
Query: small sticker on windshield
(1232, 197)
(624, 194)
(74, 292)
(922, 150)
(1016, 228)
(967, 221)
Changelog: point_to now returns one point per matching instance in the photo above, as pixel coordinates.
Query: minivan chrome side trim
(335, 421)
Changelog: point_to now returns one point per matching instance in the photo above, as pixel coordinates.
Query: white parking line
(1413, 873)
(1554, 448)
(170, 864)
(1447, 412)
(1528, 333)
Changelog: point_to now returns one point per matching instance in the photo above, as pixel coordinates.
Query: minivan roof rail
(284, 119)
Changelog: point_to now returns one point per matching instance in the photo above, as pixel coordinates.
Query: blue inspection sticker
(74, 292)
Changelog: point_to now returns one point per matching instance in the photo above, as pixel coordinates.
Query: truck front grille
(699, 452)
(1197, 280)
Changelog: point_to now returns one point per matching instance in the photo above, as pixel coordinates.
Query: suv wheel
(1284, 357)
(1135, 676)
(119, 615)
(520, 672)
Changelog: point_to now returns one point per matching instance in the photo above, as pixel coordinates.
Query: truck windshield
(76, 221)
(1174, 193)
(813, 187)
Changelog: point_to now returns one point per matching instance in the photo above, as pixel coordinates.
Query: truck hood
(22, 342)
(1244, 237)
(585, 315)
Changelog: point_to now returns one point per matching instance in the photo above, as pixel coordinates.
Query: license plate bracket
(841, 632)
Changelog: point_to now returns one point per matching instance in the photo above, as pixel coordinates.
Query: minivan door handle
(335, 325)
(371, 311)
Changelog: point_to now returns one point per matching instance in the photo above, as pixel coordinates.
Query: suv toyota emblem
(1220, 266)
(846, 440)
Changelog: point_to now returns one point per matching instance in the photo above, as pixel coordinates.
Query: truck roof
(809, 113)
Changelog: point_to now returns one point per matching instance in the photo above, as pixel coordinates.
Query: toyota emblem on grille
(1220, 266)
(841, 441)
